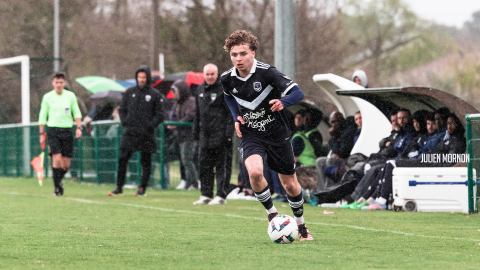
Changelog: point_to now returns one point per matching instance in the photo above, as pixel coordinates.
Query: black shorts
(60, 141)
(279, 155)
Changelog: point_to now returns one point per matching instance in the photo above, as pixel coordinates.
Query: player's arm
(42, 119)
(77, 114)
(287, 87)
(233, 106)
(295, 96)
(196, 121)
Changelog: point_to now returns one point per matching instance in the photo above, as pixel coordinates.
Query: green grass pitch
(86, 229)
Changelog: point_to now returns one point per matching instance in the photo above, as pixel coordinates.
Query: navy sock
(265, 198)
(296, 203)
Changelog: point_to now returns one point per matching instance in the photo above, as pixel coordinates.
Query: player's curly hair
(240, 37)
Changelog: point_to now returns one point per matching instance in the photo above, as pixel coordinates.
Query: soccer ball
(283, 229)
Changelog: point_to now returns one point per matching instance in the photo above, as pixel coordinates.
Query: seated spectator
(341, 144)
(313, 117)
(390, 148)
(452, 143)
(358, 122)
(299, 121)
(360, 77)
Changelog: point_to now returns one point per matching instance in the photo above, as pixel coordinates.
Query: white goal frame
(24, 60)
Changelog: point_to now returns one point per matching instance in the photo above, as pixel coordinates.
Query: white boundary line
(238, 216)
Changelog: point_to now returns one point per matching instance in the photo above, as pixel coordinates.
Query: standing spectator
(141, 111)
(58, 106)
(299, 121)
(185, 112)
(213, 128)
(360, 77)
(341, 143)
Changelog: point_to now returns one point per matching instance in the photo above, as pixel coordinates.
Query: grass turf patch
(86, 229)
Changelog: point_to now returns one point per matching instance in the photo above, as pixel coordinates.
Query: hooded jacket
(213, 125)
(184, 109)
(342, 144)
(362, 76)
(141, 111)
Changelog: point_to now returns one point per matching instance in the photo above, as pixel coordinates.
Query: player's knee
(255, 174)
(290, 186)
(66, 168)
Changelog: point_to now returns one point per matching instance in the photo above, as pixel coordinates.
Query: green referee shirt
(59, 109)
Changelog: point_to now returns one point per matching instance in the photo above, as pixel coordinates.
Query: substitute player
(253, 92)
(58, 106)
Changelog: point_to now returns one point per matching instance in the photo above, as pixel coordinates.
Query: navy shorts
(279, 155)
(60, 141)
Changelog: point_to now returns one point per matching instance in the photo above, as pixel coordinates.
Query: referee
(58, 106)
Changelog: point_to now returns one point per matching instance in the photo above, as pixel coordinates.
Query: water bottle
(390, 202)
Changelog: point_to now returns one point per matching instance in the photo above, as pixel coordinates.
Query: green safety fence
(95, 155)
(473, 148)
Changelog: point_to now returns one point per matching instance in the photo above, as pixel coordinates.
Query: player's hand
(237, 126)
(42, 139)
(277, 105)
(78, 133)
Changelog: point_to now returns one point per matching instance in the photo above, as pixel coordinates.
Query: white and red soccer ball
(283, 229)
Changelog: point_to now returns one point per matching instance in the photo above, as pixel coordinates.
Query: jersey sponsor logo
(257, 86)
(252, 120)
(148, 98)
(133, 95)
(234, 91)
(201, 95)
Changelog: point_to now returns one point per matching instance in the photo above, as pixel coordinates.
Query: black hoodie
(141, 111)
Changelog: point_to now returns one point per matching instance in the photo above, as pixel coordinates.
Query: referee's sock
(296, 203)
(265, 198)
(57, 176)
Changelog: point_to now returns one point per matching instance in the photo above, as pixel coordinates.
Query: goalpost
(24, 61)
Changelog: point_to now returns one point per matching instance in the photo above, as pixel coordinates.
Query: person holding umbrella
(141, 111)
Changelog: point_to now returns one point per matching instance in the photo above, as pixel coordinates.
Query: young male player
(59, 105)
(253, 92)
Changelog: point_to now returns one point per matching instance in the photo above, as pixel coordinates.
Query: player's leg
(125, 155)
(206, 162)
(146, 162)
(254, 165)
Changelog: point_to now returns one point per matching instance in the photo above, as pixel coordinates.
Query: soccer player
(253, 92)
(59, 105)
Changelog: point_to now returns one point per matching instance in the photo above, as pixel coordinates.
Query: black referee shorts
(279, 155)
(60, 141)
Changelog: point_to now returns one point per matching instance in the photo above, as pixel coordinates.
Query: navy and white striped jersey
(253, 94)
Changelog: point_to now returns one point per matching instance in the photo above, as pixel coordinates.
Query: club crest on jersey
(257, 86)
(148, 98)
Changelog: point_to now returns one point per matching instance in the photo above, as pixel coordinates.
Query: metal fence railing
(95, 155)
(473, 148)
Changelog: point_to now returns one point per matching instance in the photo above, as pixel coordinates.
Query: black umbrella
(106, 97)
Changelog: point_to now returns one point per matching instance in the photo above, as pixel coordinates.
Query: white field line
(238, 216)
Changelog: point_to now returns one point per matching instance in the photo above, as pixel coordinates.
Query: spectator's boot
(375, 206)
(359, 205)
(217, 200)
(349, 206)
(303, 233)
(203, 200)
(140, 192)
(118, 191)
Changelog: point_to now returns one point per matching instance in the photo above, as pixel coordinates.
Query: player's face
(142, 79)
(431, 127)
(58, 83)
(358, 120)
(358, 81)
(211, 75)
(402, 118)
(298, 120)
(242, 58)
(451, 125)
